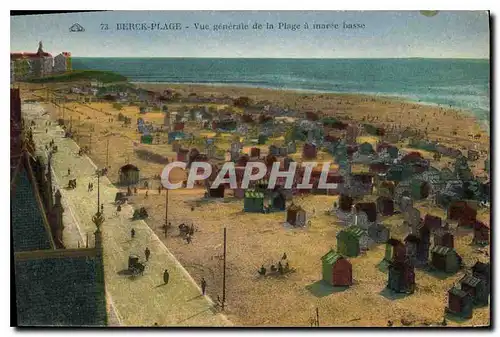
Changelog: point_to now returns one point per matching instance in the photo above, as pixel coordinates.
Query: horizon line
(289, 58)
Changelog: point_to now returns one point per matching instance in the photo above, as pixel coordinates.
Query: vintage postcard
(251, 169)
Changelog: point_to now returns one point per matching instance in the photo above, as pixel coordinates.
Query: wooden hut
(183, 155)
(475, 287)
(365, 148)
(217, 192)
(253, 202)
(370, 208)
(462, 212)
(129, 175)
(385, 206)
(482, 270)
(277, 200)
(309, 151)
(254, 152)
(445, 259)
(345, 203)
(296, 216)
(420, 189)
(401, 277)
(378, 233)
(443, 238)
(337, 270)
(432, 222)
(481, 233)
(412, 242)
(348, 241)
(395, 251)
(459, 303)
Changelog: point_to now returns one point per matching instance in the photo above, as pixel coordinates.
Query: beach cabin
(128, 175)
(345, 203)
(443, 238)
(337, 270)
(262, 139)
(401, 277)
(482, 270)
(175, 135)
(379, 233)
(395, 251)
(217, 192)
(296, 216)
(459, 303)
(309, 151)
(366, 149)
(277, 201)
(253, 202)
(385, 206)
(183, 155)
(475, 287)
(481, 233)
(348, 241)
(445, 259)
(254, 152)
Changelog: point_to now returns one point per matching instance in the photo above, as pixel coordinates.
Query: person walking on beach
(88, 188)
(203, 285)
(166, 276)
(132, 233)
(147, 252)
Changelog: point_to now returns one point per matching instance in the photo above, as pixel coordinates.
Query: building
(445, 259)
(337, 270)
(62, 63)
(129, 175)
(401, 277)
(348, 241)
(475, 287)
(253, 202)
(53, 285)
(296, 216)
(459, 303)
(40, 64)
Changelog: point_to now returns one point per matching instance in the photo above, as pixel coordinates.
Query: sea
(459, 83)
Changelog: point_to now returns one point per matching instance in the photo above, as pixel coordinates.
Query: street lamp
(98, 172)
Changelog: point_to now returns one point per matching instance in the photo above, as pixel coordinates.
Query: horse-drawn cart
(120, 198)
(134, 266)
(72, 184)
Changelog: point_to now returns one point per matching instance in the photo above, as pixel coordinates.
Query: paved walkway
(138, 301)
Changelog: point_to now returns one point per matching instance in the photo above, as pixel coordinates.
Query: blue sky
(448, 34)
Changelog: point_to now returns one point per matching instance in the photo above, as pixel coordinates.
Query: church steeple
(40, 48)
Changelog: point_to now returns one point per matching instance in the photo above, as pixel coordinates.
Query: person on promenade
(166, 276)
(88, 188)
(132, 233)
(102, 208)
(147, 252)
(69, 172)
(146, 195)
(203, 285)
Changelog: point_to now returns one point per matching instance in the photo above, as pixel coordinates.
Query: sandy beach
(256, 239)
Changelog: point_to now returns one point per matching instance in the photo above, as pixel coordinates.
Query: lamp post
(98, 190)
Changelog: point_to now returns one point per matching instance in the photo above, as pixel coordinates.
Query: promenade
(137, 300)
